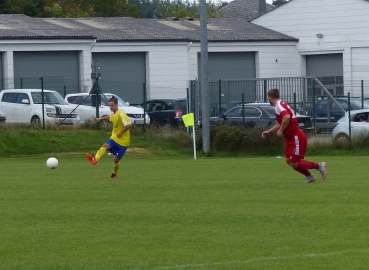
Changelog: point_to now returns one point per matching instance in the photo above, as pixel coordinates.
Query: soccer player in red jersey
(296, 139)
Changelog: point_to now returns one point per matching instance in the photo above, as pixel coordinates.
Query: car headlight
(50, 112)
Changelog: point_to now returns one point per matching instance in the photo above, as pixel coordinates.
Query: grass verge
(208, 214)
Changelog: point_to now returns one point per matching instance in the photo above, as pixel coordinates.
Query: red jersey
(282, 109)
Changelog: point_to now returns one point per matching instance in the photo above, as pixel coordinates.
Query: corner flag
(188, 120)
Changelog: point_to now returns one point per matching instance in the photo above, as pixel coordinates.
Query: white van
(25, 106)
(83, 102)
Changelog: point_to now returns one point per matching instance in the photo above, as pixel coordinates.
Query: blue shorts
(116, 149)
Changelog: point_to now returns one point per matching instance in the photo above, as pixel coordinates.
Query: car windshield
(47, 98)
(121, 102)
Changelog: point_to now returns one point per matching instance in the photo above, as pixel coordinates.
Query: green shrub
(240, 139)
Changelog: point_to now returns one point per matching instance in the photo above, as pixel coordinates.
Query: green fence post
(65, 91)
(243, 109)
(21, 83)
(313, 105)
(294, 101)
(349, 114)
(265, 91)
(220, 97)
(97, 96)
(362, 94)
(43, 103)
(144, 107)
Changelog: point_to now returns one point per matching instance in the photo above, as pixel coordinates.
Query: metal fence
(324, 101)
(304, 94)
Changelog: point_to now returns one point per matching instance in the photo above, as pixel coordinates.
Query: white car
(25, 106)
(85, 107)
(87, 110)
(134, 113)
(359, 125)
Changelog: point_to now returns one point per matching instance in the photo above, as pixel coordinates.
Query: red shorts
(295, 148)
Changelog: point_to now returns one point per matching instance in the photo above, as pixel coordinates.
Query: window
(157, 106)
(169, 106)
(87, 101)
(75, 99)
(252, 112)
(323, 105)
(10, 97)
(22, 96)
(343, 104)
(236, 112)
(183, 105)
(146, 106)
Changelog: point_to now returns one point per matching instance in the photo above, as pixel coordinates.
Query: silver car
(359, 125)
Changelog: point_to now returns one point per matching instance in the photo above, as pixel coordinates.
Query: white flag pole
(194, 142)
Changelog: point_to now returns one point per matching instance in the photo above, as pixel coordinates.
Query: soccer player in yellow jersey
(120, 138)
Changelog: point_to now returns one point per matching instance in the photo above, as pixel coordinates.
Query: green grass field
(178, 213)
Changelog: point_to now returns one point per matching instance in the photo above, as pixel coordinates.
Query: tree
(186, 8)
(33, 8)
(114, 8)
(69, 8)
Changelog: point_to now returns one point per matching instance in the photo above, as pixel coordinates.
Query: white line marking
(254, 260)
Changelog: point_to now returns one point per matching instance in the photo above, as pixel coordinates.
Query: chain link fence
(323, 99)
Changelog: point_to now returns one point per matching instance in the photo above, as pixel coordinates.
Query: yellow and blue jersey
(119, 121)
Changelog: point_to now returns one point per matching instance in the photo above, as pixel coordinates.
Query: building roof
(244, 9)
(131, 29)
(21, 26)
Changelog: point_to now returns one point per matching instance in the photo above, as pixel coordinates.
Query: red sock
(303, 171)
(305, 164)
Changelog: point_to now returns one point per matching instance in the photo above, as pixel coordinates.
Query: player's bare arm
(284, 124)
(120, 133)
(274, 129)
(106, 117)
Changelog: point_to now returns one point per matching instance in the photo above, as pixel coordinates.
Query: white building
(164, 54)
(333, 39)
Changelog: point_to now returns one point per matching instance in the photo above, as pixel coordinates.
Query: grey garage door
(234, 68)
(1, 71)
(59, 69)
(328, 68)
(230, 66)
(123, 74)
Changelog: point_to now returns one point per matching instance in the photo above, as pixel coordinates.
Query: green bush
(226, 140)
(240, 139)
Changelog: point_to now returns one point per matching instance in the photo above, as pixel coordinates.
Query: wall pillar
(85, 61)
(8, 70)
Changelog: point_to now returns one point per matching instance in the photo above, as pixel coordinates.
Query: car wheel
(342, 137)
(35, 121)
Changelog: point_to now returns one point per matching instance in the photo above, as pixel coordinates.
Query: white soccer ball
(52, 163)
